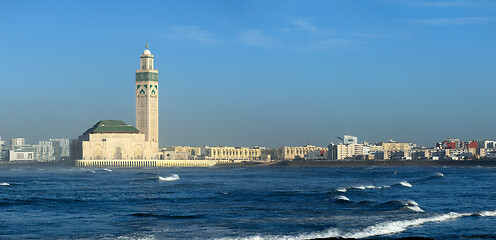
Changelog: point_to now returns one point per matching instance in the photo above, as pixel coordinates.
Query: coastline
(389, 163)
(324, 163)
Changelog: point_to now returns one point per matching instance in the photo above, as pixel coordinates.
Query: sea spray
(171, 178)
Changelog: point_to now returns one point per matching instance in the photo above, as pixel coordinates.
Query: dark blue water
(247, 203)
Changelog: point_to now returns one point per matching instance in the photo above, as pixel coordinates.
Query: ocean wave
(415, 209)
(171, 178)
(405, 184)
(362, 187)
(392, 227)
(487, 213)
(379, 229)
(429, 178)
(4, 184)
(344, 198)
(409, 205)
(146, 215)
(106, 169)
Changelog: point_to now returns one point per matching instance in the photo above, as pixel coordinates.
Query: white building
(45, 151)
(16, 142)
(347, 151)
(4, 151)
(24, 153)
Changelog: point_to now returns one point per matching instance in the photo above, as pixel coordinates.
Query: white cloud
(454, 21)
(255, 38)
(192, 33)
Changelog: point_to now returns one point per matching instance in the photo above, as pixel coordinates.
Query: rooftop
(111, 126)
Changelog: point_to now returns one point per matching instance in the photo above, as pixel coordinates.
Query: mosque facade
(115, 140)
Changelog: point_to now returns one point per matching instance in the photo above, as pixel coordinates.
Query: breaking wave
(344, 198)
(368, 187)
(171, 178)
(106, 169)
(405, 184)
(384, 228)
(430, 177)
(4, 184)
(409, 205)
(487, 213)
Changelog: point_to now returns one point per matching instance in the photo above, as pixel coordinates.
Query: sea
(247, 203)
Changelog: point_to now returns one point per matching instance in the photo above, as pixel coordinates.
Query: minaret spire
(146, 45)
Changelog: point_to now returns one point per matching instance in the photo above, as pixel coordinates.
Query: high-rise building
(147, 99)
(4, 151)
(14, 142)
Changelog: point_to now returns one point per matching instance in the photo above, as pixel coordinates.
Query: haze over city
(246, 73)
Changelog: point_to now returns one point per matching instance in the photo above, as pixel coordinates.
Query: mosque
(113, 143)
(116, 140)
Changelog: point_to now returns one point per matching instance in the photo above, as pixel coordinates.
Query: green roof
(111, 126)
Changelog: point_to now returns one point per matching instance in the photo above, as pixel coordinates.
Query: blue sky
(247, 73)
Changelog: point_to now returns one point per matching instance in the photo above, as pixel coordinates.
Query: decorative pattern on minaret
(147, 99)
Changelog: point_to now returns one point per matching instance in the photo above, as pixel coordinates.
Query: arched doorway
(138, 152)
(97, 152)
(118, 153)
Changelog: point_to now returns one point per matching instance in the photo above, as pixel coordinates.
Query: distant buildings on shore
(347, 149)
(45, 151)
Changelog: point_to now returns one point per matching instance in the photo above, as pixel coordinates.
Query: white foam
(4, 184)
(385, 228)
(405, 183)
(411, 203)
(367, 187)
(439, 175)
(108, 170)
(399, 226)
(487, 213)
(173, 177)
(341, 197)
(415, 208)
(341, 190)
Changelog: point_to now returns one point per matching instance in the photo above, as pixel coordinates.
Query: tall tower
(147, 99)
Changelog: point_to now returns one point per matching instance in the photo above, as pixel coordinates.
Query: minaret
(147, 99)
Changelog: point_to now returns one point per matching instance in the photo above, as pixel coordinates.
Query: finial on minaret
(146, 45)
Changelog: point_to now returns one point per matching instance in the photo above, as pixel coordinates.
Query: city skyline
(254, 73)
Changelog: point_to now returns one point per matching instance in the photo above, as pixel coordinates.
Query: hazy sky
(246, 73)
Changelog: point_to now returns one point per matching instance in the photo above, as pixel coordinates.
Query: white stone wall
(117, 146)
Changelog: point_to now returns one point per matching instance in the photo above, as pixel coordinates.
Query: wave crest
(344, 198)
(171, 178)
(405, 184)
